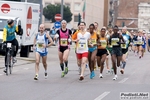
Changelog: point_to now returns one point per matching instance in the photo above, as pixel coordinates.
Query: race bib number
(140, 42)
(82, 44)
(103, 43)
(92, 41)
(124, 46)
(114, 41)
(40, 45)
(63, 42)
(135, 42)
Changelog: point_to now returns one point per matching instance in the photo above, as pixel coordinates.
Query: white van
(24, 14)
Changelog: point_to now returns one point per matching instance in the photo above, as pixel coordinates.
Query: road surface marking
(102, 96)
(1, 74)
(123, 80)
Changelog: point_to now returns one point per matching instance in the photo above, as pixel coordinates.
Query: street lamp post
(62, 8)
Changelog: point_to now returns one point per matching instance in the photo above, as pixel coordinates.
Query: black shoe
(5, 71)
(36, 77)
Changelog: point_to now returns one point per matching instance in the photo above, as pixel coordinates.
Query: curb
(19, 65)
(26, 59)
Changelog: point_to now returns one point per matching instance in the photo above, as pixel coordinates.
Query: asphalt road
(21, 86)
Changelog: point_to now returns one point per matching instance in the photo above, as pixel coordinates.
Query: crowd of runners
(94, 47)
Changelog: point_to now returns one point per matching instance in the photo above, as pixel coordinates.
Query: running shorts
(116, 51)
(43, 54)
(148, 42)
(109, 49)
(63, 48)
(92, 49)
(81, 55)
(101, 52)
(124, 51)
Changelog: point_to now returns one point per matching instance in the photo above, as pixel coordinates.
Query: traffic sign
(5, 8)
(57, 24)
(58, 17)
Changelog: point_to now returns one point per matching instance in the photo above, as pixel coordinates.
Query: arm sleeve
(4, 34)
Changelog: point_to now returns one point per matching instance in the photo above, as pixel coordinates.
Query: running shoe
(112, 71)
(94, 67)
(66, 70)
(122, 71)
(93, 74)
(100, 76)
(36, 77)
(81, 78)
(5, 70)
(46, 75)
(108, 71)
(62, 74)
(115, 78)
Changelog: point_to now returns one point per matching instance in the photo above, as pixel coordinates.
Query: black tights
(14, 43)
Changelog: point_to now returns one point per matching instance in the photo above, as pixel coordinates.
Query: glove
(69, 40)
(19, 27)
(56, 36)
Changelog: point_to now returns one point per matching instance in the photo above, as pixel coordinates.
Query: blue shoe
(91, 75)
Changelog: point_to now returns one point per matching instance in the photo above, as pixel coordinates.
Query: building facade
(94, 11)
(144, 16)
(127, 12)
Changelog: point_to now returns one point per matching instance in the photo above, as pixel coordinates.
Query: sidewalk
(19, 62)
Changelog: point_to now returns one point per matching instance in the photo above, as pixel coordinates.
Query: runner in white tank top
(40, 46)
(82, 48)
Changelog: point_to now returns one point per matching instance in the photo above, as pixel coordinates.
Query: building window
(67, 5)
(76, 18)
(77, 6)
(123, 24)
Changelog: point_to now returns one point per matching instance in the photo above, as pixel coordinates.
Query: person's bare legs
(102, 64)
(83, 66)
(37, 57)
(44, 61)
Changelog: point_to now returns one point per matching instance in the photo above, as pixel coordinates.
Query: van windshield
(3, 22)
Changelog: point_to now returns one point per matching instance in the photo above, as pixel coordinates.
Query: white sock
(45, 71)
